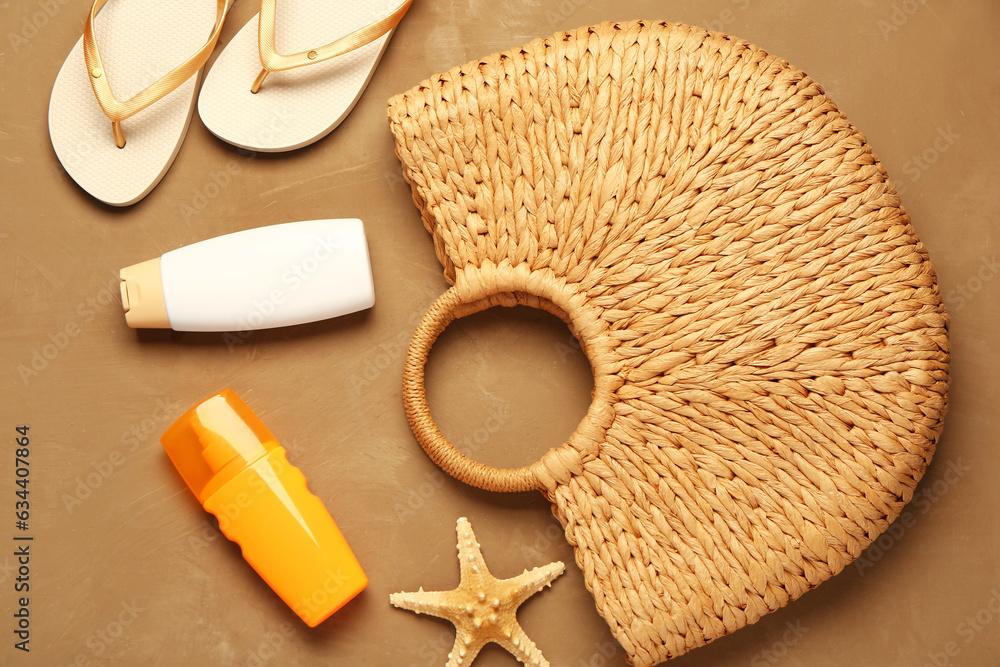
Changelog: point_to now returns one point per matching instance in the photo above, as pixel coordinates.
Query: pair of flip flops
(286, 80)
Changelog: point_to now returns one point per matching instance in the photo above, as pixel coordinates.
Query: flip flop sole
(297, 107)
(140, 41)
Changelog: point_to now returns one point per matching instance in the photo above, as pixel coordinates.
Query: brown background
(919, 78)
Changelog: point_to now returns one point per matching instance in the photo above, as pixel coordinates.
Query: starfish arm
(521, 647)
(466, 648)
(435, 603)
(470, 557)
(530, 582)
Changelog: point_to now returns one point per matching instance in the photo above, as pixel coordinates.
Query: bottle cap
(142, 295)
(215, 440)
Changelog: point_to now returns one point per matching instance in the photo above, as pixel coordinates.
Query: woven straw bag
(769, 346)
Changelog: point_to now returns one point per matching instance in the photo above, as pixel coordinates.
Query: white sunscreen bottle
(259, 278)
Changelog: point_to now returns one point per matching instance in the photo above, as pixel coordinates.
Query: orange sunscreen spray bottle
(240, 474)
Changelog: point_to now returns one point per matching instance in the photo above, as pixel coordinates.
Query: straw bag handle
(455, 463)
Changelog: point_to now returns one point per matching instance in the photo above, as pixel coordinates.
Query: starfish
(483, 608)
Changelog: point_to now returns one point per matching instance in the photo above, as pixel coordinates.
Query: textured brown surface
(769, 345)
(918, 79)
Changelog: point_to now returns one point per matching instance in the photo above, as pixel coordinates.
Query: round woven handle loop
(442, 452)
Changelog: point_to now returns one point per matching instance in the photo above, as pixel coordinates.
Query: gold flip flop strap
(118, 111)
(272, 61)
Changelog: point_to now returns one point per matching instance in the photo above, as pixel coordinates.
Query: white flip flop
(139, 51)
(308, 93)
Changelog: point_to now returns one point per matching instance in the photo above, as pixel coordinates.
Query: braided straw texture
(769, 345)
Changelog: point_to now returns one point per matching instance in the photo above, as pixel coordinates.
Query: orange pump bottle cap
(214, 441)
